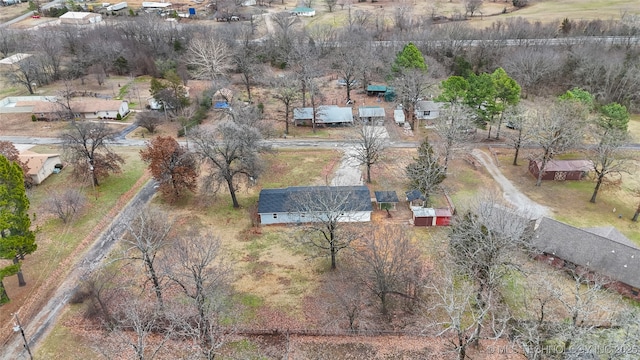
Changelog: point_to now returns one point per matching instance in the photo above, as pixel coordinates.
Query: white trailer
(118, 6)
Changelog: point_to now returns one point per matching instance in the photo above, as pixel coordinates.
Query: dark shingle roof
(283, 200)
(415, 195)
(386, 197)
(599, 254)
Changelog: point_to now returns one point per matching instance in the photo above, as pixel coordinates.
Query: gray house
(427, 110)
(305, 204)
(603, 251)
(371, 114)
(325, 115)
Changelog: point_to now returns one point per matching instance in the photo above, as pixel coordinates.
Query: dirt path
(510, 193)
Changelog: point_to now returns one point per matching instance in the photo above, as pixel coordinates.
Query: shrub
(118, 117)
(520, 3)
(33, 117)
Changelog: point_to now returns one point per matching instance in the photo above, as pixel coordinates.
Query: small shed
(443, 217)
(423, 216)
(398, 116)
(376, 90)
(303, 11)
(561, 170)
(371, 114)
(415, 198)
(386, 197)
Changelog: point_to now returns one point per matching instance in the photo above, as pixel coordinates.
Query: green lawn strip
(62, 341)
(302, 167)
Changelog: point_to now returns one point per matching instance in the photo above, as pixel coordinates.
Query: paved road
(39, 327)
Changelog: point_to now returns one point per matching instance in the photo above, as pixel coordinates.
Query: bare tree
(370, 145)
(532, 67)
(86, 146)
(201, 273)
(347, 297)
(330, 4)
(146, 235)
(521, 121)
(287, 92)
(557, 129)
(232, 150)
(454, 127)
(139, 326)
(27, 73)
(149, 120)
(8, 41)
(583, 305)
(209, 57)
(608, 157)
(391, 264)
(66, 204)
(472, 6)
(411, 86)
(322, 208)
(347, 61)
(459, 316)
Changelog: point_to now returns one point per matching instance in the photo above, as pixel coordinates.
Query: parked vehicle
(343, 82)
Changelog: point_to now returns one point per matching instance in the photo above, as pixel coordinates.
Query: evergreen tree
(16, 237)
(425, 172)
(409, 58)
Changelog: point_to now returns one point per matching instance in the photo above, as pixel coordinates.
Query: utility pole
(18, 327)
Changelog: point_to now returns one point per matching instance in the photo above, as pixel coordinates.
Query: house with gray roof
(325, 115)
(602, 251)
(305, 204)
(427, 110)
(371, 114)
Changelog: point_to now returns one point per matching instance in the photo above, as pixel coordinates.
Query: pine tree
(425, 173)
(16, 237)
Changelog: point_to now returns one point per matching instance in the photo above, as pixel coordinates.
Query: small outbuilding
(398, 116)
(415, 198)
(443, 217)
(303, 11)
(387, 199)
(561, 170)
(423, 216)
(80, 18)
(376, 90)
(374, 115)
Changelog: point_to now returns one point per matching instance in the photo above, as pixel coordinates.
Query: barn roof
(282, 200)
(370, 111)
(423, 212)
(386, 197)
(77, 15)
(567, 165)
(612, 258)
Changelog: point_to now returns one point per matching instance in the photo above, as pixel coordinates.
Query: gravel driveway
(510, 193)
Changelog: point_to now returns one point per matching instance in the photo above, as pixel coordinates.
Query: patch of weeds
(251, 303)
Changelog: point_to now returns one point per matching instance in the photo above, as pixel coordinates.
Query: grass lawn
(570, 199)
